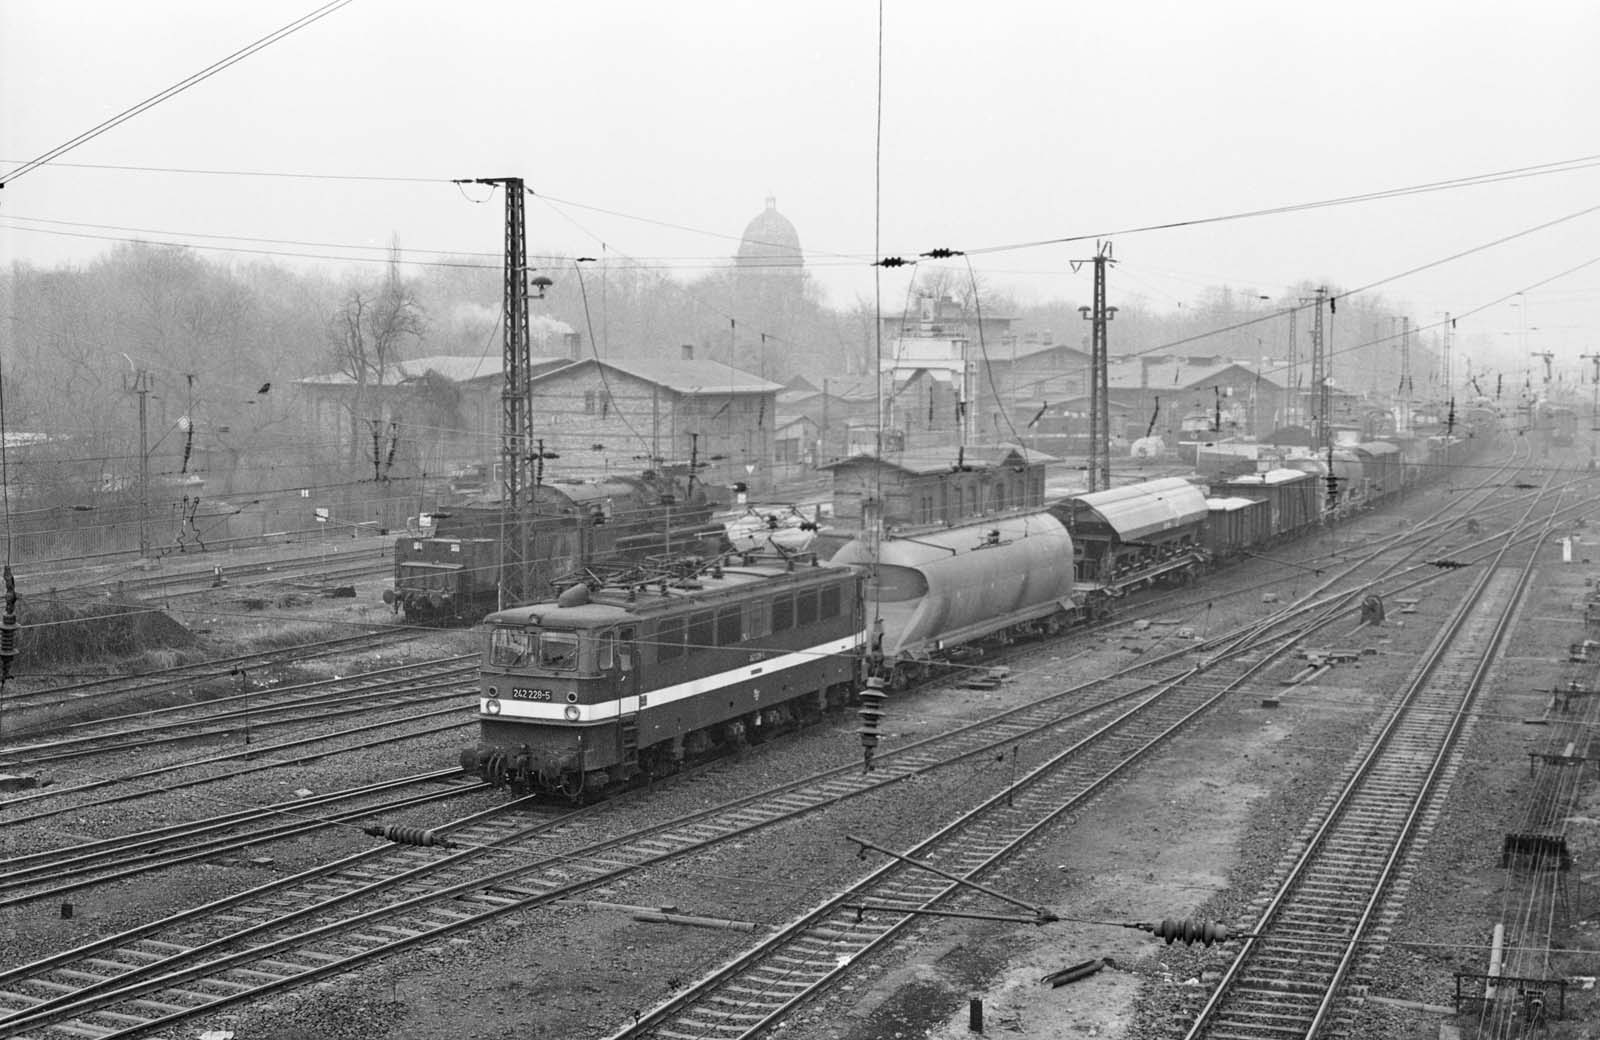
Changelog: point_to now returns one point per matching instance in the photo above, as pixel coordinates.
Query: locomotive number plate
(529, 693)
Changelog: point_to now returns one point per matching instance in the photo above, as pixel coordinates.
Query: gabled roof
(455, 369)
(1178, 373)
(944, 460)
(858, 389)
(1031, 350)
(683, 377)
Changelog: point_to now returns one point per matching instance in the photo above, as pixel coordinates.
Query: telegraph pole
(1449, 326)
(1594, 407)
(1405, 373)
(1291, 407)
(140, 384)
(1099, 379)
(515, 498)
(1320, 396)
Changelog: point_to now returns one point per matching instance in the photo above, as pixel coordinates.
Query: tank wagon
(452, 574)
(600, 686)
(941, 592)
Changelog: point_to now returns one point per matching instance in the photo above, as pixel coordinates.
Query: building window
(589, 399)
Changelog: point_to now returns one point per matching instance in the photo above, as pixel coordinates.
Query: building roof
(683, 377)
(924, 460)
(455, 369)
(1179, 373)
(1026, 350)
(856, 389)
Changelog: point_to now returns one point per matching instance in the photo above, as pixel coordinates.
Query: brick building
(623, 416)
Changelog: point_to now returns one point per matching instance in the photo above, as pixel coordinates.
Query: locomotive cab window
(828, 603)
(558, 650)
(608, 651)
(509, 647)
(625, 650)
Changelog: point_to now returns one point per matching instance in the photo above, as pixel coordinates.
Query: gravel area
(1197, 832)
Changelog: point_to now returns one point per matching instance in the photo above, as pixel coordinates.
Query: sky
(653, 133)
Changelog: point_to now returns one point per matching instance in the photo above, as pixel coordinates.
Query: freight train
(605, 684)
(452, 573)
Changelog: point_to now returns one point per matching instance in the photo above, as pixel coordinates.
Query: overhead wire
(1519, 173)
(175, 89)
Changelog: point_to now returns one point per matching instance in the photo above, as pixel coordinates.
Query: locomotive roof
(610, 605)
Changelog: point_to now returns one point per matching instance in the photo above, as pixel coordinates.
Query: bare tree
(366, 335)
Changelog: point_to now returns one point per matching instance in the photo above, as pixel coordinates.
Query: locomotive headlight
(491, 706)
(572, 713)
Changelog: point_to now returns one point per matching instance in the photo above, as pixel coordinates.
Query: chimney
(688, 352)
(574, 345)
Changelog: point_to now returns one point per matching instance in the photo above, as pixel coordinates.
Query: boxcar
(1236, 525)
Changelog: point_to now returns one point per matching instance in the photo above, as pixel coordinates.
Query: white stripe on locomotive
(553, 711)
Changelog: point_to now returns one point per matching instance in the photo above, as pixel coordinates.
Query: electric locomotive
(452, 573)
(606, 684)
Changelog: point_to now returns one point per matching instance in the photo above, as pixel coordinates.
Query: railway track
(754, 991)
(57, 705)
(1125, 712)
(177, 971)
(1294, 973)
(261, 710)
(61, 871)
(341, 564)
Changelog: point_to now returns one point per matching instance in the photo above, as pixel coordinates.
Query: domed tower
(770, 241)
(768, 291)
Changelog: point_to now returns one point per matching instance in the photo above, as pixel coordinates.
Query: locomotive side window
(509, 646)
(702, 629)
(625, 651)
(558, 650)
(669, 639)
(757, 619)
(805, 607)
(728, 626)
(828, 605)
(608, 651)
(782, 614)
